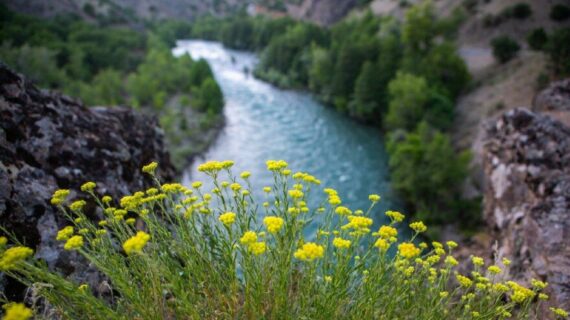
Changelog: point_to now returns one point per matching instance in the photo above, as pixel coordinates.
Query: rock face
(527, 197)
(48, 141)
(324, 12)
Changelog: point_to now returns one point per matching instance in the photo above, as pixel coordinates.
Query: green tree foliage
(521, 10)
(558, 49)
(537, 39)
(367, 93)
(409, 95)
(37, 63)
(428, 172)
(559, 12)
(504, 48)
(420, 27)
(210, 97)
(289, 53)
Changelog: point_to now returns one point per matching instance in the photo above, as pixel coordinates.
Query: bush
(558, 49)
(521, 10)
(428, 172)
(537, 39)
(173, 252)
(504, 48)
(559, 12)
(408, 97)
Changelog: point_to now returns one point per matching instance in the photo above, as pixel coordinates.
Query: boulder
(49, 141)
(526, 158)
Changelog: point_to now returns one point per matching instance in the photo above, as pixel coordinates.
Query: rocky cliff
(49, 141)
(526, 159)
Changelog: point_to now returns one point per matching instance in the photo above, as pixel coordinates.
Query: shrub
(559, 12)
(521, 10)
(173, 252)
(537, 39)
(558, 49)
(504, 48)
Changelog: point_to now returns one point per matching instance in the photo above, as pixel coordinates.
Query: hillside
(127, 11)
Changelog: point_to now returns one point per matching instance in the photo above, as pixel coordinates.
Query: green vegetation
(558, 48)
(173, 252)
(393, 74)
(537, 39)
(559, 12)
(504, 48)
(106, 65)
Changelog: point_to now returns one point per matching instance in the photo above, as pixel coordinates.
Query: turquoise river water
(264, 122)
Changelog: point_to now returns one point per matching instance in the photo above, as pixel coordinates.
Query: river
(264, 122)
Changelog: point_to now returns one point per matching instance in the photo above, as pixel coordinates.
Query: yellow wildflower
(443, 294)
(310, 251)
(296, 194)
(74, 243)
(88, 186)
(235, 186)
(64, 233)
(276, 165)
(257, 248)
(382, 244)
(559, 312)
(451, 261)
(248, 238)
(59, 196)
(451, 244)
(374, 197)
(273, 224)
(543, 296)
(506, 261)
(150, 168)
(343, 211)
(266, 189)
(14, 255)
(77, 205)
(538, 284)
(395, 216)
(387, 232)
(106, 199)
(359, 224)
(408, 250)
(341, 243)
(464, 281)
(196, 184)
(245, 174)
(477, 261)
(494, 269)
(3, 241)
(130, 221)
(227, 218)
(16, 311)
(418, 226)
(136, 243)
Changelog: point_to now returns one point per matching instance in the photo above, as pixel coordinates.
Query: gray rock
(527, 197)
(49, 141)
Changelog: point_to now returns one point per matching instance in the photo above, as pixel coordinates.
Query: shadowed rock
(527, 197)
(49, 141)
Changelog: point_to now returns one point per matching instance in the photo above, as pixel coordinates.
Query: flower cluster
(12, 256)
(214, 253)
(136, 243)
(273, 224)
(310, 251)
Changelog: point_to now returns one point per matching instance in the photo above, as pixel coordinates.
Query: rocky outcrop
(49, 141)
(324, 12)
(527, 197)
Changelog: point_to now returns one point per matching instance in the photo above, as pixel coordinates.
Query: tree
(537, 39)
(558, 49)
(210, 97)
(504, 48)
(419, 28)
(408, 97)
(367, 93)
(559, 12)
(428, 172)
